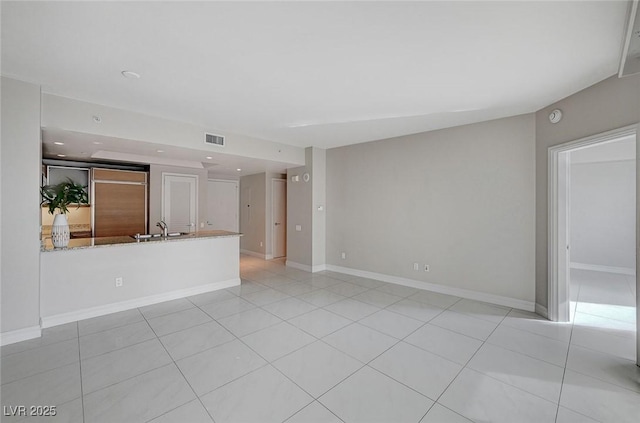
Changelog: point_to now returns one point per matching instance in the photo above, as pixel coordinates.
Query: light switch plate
(298, 228)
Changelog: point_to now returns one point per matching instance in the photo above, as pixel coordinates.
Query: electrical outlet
(119, 281)
(261, 243)
(298, 228)
(416, 266)
(344, 256)
(426, 267)
(202, 224)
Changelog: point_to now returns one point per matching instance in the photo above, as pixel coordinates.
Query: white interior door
(279, 217)
(222, 205)
(179, 202)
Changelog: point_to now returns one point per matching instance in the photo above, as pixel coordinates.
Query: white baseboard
(298, 266)
(306, 267)
(254, 254)
(268, 256)
(318, 268)
(13, 336)
(442, 289)
(600, 268)
(60, 319)
(541, 311)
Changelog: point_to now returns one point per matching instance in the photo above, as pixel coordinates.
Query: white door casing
(279, 217)
(222, 205)
(179, 201)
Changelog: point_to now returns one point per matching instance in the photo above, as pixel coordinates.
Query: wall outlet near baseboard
(261, 243)
(416, 266)
(119, 281)
(344, 256)
(426, 267)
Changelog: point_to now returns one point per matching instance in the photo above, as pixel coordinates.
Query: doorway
(222, 205)
(592, 239)
(279, 217)
(179, 202)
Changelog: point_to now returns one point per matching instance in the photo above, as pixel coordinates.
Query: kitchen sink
(151, 237)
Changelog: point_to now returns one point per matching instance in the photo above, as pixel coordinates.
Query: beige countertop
(111, 241)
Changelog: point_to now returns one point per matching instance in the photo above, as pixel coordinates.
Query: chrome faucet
(162, 225)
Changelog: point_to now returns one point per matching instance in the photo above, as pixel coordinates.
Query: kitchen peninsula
(97, 276)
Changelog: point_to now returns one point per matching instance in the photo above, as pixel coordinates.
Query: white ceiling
(316, 73)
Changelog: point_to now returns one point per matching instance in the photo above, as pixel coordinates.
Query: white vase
(60, 231)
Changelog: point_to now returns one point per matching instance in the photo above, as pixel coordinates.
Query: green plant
(61, 195)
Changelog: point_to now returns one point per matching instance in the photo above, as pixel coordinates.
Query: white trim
(269, 257)
(298, 266)
(542, 311)
(553, 284)
(318, 268)
(306, 267)
(13, 336)
(254, 254)
(442, 289)
(60, 319)
(600, 268)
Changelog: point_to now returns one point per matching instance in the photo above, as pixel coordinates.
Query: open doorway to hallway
(602, 238)
(592, 241)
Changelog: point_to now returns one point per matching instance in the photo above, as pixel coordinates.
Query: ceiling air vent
(214, 139)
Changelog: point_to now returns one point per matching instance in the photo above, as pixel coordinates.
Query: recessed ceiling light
(62, 155)
(239, 170)
(160, 151)
(130, 74)
(209, 157)
(58, 143)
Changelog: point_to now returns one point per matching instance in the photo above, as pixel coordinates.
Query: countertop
(111, 241)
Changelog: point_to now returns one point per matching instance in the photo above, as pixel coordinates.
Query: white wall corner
(254, 254)
(541, 311)
(442, 289)
(318, 268)
(13, 336)
(298, 266)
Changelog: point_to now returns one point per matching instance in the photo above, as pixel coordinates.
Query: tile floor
(292, 346)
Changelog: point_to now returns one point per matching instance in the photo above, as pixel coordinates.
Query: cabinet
(119, 202)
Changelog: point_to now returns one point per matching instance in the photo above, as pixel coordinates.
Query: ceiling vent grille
(214, 139)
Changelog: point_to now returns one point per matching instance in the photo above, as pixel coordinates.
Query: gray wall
(20, 180)
(610, 104)
(155, 193)
(253, 213)
(308, 246)
(319, 194)
(603, 213)
(299, 200)
(459, 199)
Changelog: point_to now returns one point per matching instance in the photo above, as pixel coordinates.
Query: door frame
(273, 219)
(237, 184)
(556, 283)
(162, 194)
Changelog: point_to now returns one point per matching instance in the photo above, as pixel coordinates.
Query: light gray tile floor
(292, 346)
